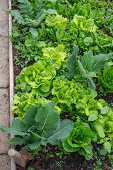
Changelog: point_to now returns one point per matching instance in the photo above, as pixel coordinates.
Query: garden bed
(63, 58)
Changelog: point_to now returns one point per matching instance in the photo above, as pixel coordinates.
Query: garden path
(5, 163)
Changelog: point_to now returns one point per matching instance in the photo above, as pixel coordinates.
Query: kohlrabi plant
(40, 126)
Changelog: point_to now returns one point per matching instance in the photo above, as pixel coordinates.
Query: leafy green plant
(40, 126)
(37, 77)
(110, 159)
(23, 101)
(88, 65)
(79, 140)
(56, 55)
(106, 78)
(84, 24)
(31, 14)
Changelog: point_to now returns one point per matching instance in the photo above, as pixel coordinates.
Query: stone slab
(5, 163)
(4, 119)
(4, 63)
(3, 4)
(3, 23)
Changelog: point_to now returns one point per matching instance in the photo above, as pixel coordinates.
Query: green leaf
(29, 119)
(72, 62)
(18, 124)
(32, 146)
(30, 168)
(99, 62)
(100, 130)
(87, 152)
(82, 70)
(107, 147)
(93, 116)
(91, 83)
(103, 151)
(16, 141)
(88, 41)
(17, 15)
(87, 60)
(34, 32)
(61, 132)
(12, 130)
(105, 110)
(47, 117)
(23, 1)
(51, 11)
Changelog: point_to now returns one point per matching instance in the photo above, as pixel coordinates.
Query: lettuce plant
(79, 140)
(40, 126)
(84, 24)
(56, 21)
(23, 101)
(38, 77)
(57, 55)
(106, 78)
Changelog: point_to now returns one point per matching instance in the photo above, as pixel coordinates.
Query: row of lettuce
(72, 59)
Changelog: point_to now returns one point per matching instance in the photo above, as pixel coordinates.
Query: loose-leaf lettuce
(38, 77)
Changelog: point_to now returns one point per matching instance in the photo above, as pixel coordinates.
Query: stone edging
(11, 73)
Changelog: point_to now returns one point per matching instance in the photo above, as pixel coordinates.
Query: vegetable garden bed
(63, 52)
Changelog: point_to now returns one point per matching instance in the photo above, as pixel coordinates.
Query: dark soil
(50, 160)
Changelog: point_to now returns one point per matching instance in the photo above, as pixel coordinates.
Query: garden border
(11, 74)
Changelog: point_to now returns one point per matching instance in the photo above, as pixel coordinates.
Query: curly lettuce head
(38, 76)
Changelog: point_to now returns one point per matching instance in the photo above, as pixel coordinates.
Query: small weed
(59, 154)
(110, 159)
(97, 163)
(49, 155)
(59, 164)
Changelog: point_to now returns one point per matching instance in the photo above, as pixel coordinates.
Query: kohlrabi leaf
(99, 62)
(91, 83)
(47, 117)
(32, 146)
(61, 132)
(83, 72)
(16, 141)
(29, 119)
(18, 124)
(72, 62)
(12, 130)
(87, 60)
